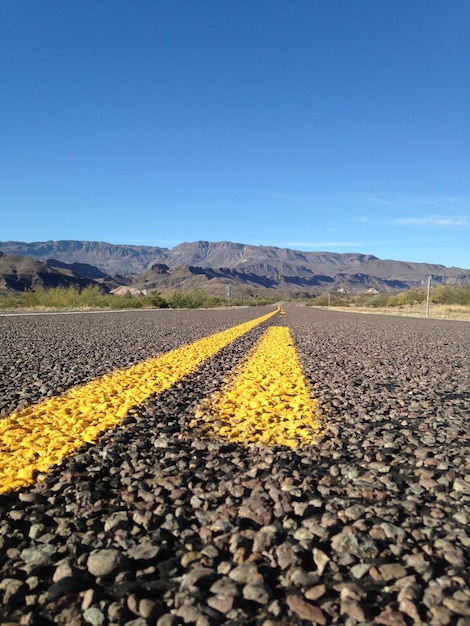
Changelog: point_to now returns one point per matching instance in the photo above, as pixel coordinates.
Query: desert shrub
(377, 302)
(449, 294)
(320, 300)
(415, 296)
(72, 297)
(125, 302)
(55, 297)
(193, 300)
(180, 300)
(440, 294)
(11, 300)
(92, 296)
(261, 301)
(334, 299)
(156, 300)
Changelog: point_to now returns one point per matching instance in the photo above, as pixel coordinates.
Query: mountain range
(210, 266)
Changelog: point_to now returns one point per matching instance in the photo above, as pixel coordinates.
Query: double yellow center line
(266, 400)
(33, 439)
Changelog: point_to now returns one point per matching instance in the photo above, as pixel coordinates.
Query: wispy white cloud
(434, 221)
(438, 212)
(437, 203)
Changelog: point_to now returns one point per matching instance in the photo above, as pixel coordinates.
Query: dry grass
(436, 311)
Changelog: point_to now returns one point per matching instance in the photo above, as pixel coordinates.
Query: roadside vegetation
(446, 301)
(91, 297)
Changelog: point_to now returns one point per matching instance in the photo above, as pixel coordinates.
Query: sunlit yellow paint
(267, 400)
(43, 434)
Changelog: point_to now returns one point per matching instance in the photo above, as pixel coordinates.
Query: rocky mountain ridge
(20, 273)
(213, 265)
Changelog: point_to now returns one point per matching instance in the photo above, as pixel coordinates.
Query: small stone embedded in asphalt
(159, 524)
(304, 610)
(349, 543)
(244, 573)
(257, 592)
(392, 571)
(104, 562)
(94, 617)
(200, 577)
(143, 552)
(64, 586)
(38, 555)
(14, 592)
(256, 510)
(320, 559)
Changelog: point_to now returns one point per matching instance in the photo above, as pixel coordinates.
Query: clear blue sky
(337, 125)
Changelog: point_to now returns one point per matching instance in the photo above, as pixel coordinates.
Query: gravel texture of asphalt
(158, 524)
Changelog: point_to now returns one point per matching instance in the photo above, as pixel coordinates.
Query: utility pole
(429, 293)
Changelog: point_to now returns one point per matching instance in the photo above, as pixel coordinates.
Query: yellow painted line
(43, 434)
(267, 400)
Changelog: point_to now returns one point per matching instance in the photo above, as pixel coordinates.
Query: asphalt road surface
(162, 522)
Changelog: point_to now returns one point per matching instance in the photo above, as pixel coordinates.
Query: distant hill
(109, 258)
(19, 273)
(164, 279)
(91, 272)
(213, 265)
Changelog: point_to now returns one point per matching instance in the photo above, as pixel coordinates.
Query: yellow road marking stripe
(43, 434)
(267, 400)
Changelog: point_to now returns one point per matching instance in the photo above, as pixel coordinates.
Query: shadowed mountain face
(82, 269)
(211, 266)
(19, 273)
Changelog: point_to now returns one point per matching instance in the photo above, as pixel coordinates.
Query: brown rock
(440, 616)
(224, 586)
(245, 573)
(257, 592)
(222, 603)
(461, 486)
(451, 553)
(457, 606)
(200, 577)
(409, 608)
(305, 610)
(391, 618)
(352, 609)
(143, 552)
(392, 571)
(348, 542)
(286, 555)
(315, 592)
(320, 559)
(147, 608)
(256, 510)
(190, 557)
(104, 562)
(408, 597)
